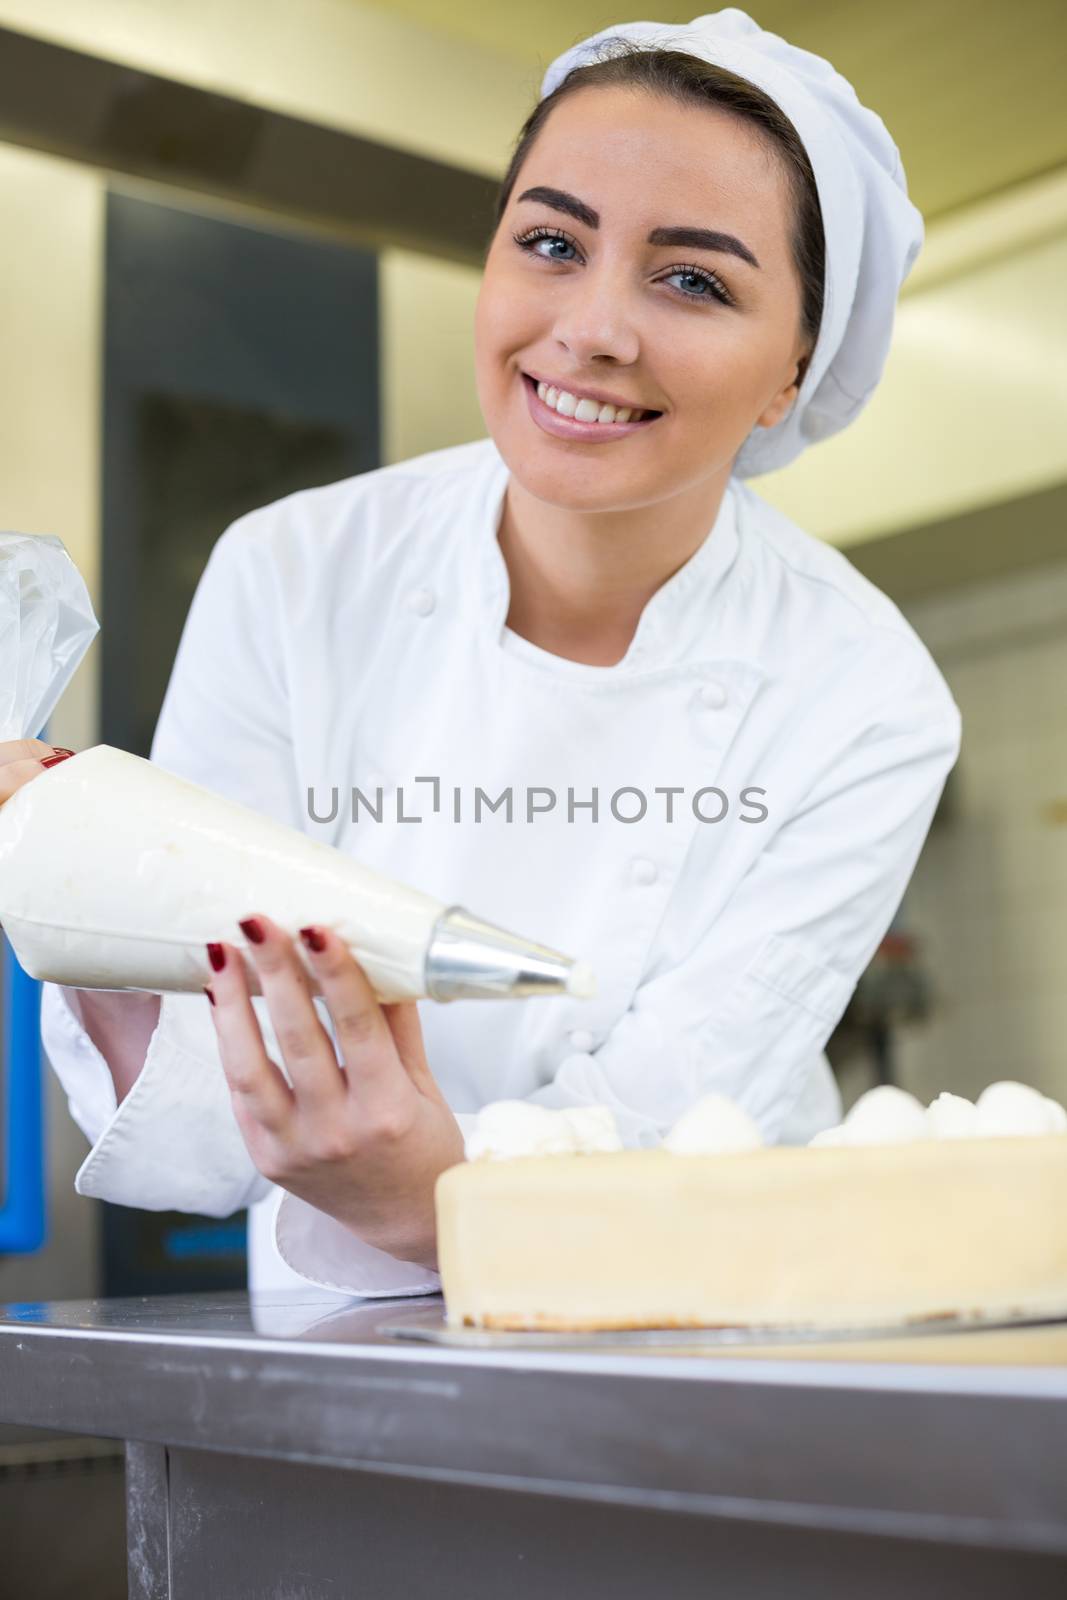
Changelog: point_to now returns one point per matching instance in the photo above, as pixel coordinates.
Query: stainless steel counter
(284, 1445)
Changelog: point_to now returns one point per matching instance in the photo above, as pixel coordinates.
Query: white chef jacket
(354, 636)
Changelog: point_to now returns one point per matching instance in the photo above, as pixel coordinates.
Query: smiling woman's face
(699, 334)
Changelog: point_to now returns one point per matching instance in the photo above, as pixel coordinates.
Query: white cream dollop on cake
(713, 1125)
(1008, 1107)
(887, 1115)
(881, 1116)
(594, 1128)
(507, 1130)
(952, 1116)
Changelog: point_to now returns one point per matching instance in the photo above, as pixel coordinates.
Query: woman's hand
(23, 759)
(363, 1139)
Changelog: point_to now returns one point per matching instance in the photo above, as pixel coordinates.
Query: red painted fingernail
(209, 993)
(64, 755)
(314, 939)
(217, 956)
(252, 929)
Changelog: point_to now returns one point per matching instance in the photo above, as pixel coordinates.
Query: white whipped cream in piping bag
(115, 874)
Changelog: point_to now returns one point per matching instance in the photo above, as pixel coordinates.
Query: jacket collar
(663, 629)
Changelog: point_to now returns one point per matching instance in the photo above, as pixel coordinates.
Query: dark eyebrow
(692, 238)
(703, 239)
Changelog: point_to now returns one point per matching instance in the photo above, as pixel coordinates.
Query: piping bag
(115, 874)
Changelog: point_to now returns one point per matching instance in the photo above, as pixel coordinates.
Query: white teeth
(568, 405)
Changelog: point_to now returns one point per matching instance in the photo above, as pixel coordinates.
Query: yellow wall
(972, 409)
(427, 339)
(337, 62)
(51, 298)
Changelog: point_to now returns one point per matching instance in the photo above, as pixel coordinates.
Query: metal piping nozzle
(469, 959)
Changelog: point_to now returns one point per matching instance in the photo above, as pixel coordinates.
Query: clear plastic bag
(46, 626)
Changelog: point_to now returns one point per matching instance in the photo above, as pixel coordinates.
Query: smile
(584, 425)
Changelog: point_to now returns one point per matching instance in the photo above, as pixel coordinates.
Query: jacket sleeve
(749, 1009)
(174, 1143)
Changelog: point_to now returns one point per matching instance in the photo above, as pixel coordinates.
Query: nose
(595, 318)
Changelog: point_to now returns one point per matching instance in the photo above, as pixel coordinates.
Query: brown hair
(677, 75)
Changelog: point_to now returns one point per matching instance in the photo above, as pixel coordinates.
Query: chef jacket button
(644, 871)
(713, 695)
(422, 601)
(581, 1039)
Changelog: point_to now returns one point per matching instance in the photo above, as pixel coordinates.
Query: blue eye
(714, 288)
(526, 241)
(714, 284)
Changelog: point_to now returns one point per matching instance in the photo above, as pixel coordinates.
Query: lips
(648, 412)
(570, 430)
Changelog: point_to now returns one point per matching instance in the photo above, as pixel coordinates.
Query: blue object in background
(22, 1187)
(22, 1214)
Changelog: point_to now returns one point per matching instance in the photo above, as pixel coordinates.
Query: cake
(857, 1231)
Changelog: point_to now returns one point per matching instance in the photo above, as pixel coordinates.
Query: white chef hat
(873, 231)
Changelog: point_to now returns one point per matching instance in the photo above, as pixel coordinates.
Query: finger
(306, 1047)
(364, 1037)
(24, 750)
(406, 1027)
(255, 1081)
(16, 774)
